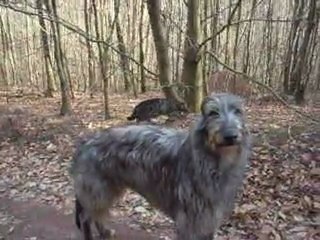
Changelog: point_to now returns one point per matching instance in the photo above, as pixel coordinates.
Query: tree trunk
(3, 60)
(298, 71)
(91, 72)
(292, 45)
(102, 64)
(161, 50)
(191, 72)
(122, 48)
(11, 52)
(65, 108)
(45, 49)
(143, 87)
(246, 64)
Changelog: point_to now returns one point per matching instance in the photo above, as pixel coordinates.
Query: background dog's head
(223, 121)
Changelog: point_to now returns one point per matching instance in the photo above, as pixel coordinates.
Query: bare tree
(65, 108)
(141, 53)
(46, 50)
(191, 73)
(161, 50)
(124, 60)
(298, 78)
(246, 55)
(102, 64)
(3, 61)
(91, 71)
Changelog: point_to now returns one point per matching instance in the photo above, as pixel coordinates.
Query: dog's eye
(237, 111)
(213, 113)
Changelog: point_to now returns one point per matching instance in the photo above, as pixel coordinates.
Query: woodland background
(182, 47)
(71, 67)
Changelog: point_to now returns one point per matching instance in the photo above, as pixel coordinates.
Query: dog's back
(152, 108)
(119, 154)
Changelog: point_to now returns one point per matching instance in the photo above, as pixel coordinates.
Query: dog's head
(223, 121)
(181, 106)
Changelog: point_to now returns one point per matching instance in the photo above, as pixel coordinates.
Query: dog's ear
(203, 105)
(202, 124)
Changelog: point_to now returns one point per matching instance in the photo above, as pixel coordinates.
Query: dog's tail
(130, 118)
(78, 212)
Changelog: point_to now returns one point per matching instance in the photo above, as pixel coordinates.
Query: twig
(224, 27)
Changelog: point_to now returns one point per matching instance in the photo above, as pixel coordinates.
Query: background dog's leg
(104, 232)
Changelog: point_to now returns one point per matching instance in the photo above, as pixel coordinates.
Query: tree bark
(162, 51)
(102, 64)
(91, 71)
(143, 86)
(65, 108)
(191, 72)
(46, 51)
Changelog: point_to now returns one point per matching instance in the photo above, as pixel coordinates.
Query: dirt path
(30, 220)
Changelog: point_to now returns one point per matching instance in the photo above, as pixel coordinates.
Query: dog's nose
(230, 137)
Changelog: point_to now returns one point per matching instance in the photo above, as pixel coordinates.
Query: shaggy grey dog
(155, 107)
(192, 176)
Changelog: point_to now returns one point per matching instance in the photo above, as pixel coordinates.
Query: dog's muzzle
(231, 137)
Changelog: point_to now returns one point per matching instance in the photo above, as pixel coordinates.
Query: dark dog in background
(152, 108)
(192, 176)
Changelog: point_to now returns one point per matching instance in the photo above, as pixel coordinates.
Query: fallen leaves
(281, 192)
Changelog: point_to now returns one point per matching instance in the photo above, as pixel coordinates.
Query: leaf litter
(281, 192)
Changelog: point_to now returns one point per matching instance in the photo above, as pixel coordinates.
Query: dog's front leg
(206, 237)
(104, 232)
(187, 235)
(190, 228)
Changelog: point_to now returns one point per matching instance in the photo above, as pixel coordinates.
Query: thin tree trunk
(161, 50)
(226, 49)
(191, 72)
(65, 108)
(27, 44)
(11, 52)
(3, 60)
(143, 87)
(269, 36)
(246, 65)
(298, 71)
(122, 48)
(297, 13)
(102, 66)
(45, 49)
(91, 72)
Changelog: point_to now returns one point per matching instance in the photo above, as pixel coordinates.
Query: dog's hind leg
(82, 221)
(86, 229)
(78, 212)
(102, 203)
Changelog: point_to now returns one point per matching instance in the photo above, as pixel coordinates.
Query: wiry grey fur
(154, 107)
(192, 176)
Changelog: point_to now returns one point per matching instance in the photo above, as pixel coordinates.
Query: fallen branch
(20, 95)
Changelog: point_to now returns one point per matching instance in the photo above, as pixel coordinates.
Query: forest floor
(281, 192)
